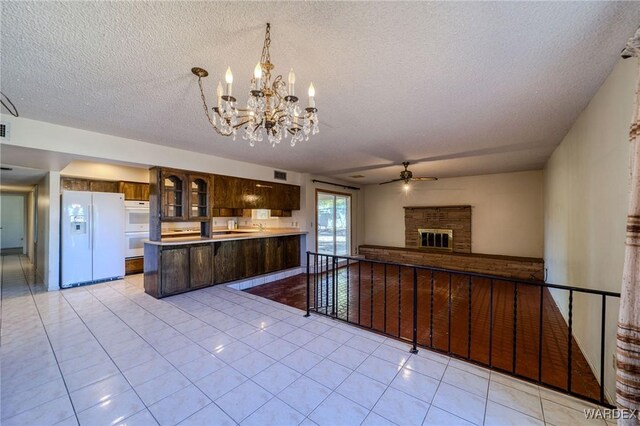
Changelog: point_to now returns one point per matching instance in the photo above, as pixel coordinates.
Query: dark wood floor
(385, 302)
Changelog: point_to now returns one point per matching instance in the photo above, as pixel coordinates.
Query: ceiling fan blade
(424, 179)
(390, 181)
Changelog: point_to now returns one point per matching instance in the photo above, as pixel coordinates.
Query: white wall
(94, 146)
(105, 171)
(30, 206)
(506, 215)
(586, 194)
(48, 254)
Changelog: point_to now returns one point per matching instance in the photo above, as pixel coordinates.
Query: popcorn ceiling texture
(468, 88)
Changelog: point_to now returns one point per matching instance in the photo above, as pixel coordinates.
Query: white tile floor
(110, 354)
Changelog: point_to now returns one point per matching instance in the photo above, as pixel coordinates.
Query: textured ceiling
(462, 88)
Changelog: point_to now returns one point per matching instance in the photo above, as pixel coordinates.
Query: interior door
(107, 235)
(11, 221)
(333, 220)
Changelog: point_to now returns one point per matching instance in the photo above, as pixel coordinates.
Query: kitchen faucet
(260, 226)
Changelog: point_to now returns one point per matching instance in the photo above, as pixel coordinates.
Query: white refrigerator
(92, 240)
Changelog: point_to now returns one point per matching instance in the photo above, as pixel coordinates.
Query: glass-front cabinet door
(199, 207)
(173, 196)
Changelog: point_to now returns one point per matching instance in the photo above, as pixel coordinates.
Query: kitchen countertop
(238, 234)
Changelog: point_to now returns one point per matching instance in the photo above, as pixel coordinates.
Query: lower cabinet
(201, 265)
(227, 263)
(291, 251)
(175, 269)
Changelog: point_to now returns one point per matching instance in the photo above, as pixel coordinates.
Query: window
(333, 220)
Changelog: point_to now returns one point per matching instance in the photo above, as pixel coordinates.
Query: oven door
(135, 243)
(137, 219)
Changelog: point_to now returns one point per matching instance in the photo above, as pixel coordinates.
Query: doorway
(333, 220)
(12, 224)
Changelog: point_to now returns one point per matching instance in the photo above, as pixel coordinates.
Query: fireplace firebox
(440, 239)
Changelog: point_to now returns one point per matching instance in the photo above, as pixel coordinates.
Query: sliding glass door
(333, 219)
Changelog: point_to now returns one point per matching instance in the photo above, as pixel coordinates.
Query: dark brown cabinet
(199, 199)
(201, 265)
(173, 195)
(291, 251)
(273, 254)
(228, 265)
(78, 184)
(174, 275)
(238, 193)
(134, 191)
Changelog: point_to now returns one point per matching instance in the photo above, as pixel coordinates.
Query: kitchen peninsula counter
(179, 264)
(227, 235)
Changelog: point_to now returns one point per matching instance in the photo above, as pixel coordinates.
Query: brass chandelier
(272, 106)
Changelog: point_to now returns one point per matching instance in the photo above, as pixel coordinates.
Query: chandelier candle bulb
(312, 95)
(292, 82)
(229, 79)
(257, 74)
(219, 94)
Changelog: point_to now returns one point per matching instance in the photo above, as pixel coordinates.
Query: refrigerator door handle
(90, 224)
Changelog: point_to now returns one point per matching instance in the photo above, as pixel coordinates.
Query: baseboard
(265, 279)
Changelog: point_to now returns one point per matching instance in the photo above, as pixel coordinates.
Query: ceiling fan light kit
(272, 106)
(407, 175)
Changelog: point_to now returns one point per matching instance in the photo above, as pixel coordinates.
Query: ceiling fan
(406, 175)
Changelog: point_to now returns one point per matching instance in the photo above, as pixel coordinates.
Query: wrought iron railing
(509, 325)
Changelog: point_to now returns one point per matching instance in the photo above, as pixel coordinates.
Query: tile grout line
(26, 282)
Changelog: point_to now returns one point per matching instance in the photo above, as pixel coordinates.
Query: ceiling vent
(4, 131)
(279, 175)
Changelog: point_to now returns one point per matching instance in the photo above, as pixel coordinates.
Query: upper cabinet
(134, 191)
(173, 194)
(199, 199)
(238, 193)
(183, 196)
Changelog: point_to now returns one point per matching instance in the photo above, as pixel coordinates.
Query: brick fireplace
(440, 219)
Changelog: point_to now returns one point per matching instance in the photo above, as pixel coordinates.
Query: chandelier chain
(266, 55)
(206, 109)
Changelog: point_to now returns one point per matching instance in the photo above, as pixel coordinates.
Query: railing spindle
(414, 349)
(359, 290)
(449, 322)
(348, 286)
(570, 345)
(515, 325)
(469, 325)
(431, 313)
(371, 299)
(315, 282)
(326, 276)
(399, 301)
(385, 298)
(540, 328)
(308, 286)
(490, 322)
(334, 278)
(602, 325)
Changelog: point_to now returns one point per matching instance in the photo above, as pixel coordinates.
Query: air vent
(4, 131)
(279, 175)
(356, 176)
